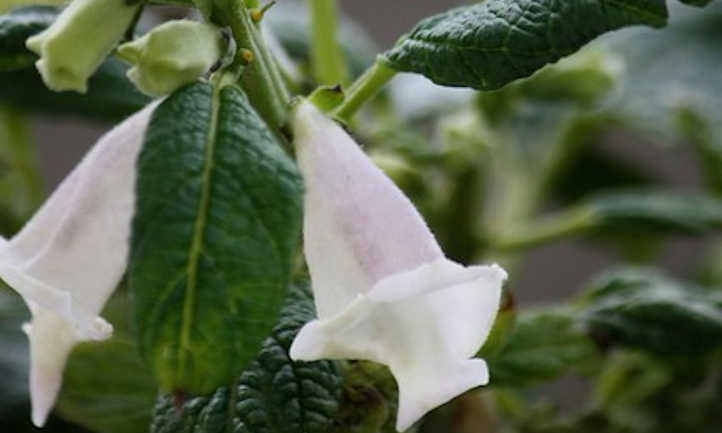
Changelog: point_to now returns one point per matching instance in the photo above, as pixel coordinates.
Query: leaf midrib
(197, 241)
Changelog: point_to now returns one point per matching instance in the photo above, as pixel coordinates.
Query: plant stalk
(327, 61)
(365, 87)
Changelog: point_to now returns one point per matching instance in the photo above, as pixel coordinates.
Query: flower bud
(82, 36)
(172, 55)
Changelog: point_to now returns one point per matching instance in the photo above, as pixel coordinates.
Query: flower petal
(358, 226)
(424, 324)
(68, 259)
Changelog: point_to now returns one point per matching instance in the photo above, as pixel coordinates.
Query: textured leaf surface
(541, 346)
(106, 386)
(647, 310)
(654, 210)
(15, 28)
(491, 43)
(216, 229)
(274, 395)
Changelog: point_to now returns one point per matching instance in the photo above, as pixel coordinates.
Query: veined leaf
(644, 309)
(217, 224)
(274, 395)
(489, 44)
(540, 347)
(15, 28)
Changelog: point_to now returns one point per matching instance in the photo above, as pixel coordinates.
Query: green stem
(536, 233)
(327, 61)
(260, 79)
(365, 87)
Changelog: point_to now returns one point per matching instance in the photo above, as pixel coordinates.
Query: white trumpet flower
(71, 255)
(384, 290)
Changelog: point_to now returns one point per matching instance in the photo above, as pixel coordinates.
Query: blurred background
(543, 275)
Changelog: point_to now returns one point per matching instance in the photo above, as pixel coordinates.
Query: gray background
(550, 272)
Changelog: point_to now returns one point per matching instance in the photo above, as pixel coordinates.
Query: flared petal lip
(383, 291)
(386, 290)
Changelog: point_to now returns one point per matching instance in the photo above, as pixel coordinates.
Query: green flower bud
(79, 40)
(172, 55)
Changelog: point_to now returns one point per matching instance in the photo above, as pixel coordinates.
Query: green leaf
(216, 229)
(542, 346)
(110, 96)
(489, 44)
(274, 395)
(106, 385)
(654, 210)
(15, 28)
(643, 309)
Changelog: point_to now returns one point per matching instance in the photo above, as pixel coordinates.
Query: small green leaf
(541, 346)
(15, 28)
(273, 395)
(644, 309)
(216, 229)
(106, 386)
(489, 44)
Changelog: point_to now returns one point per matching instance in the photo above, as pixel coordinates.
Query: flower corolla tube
(69, 258)
(384, 291)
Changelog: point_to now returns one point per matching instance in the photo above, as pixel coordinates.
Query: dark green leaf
(106, 386)
(644, 309)
(654, 210)
(489, 44)
(541, 346)
(216, 229)
(110, 95)
(274, 395)
(15, 28)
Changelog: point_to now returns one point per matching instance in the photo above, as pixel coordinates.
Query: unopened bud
(82, 36)
(172, 55)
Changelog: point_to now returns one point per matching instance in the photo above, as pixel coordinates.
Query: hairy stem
(260, 79)
(365, 87)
